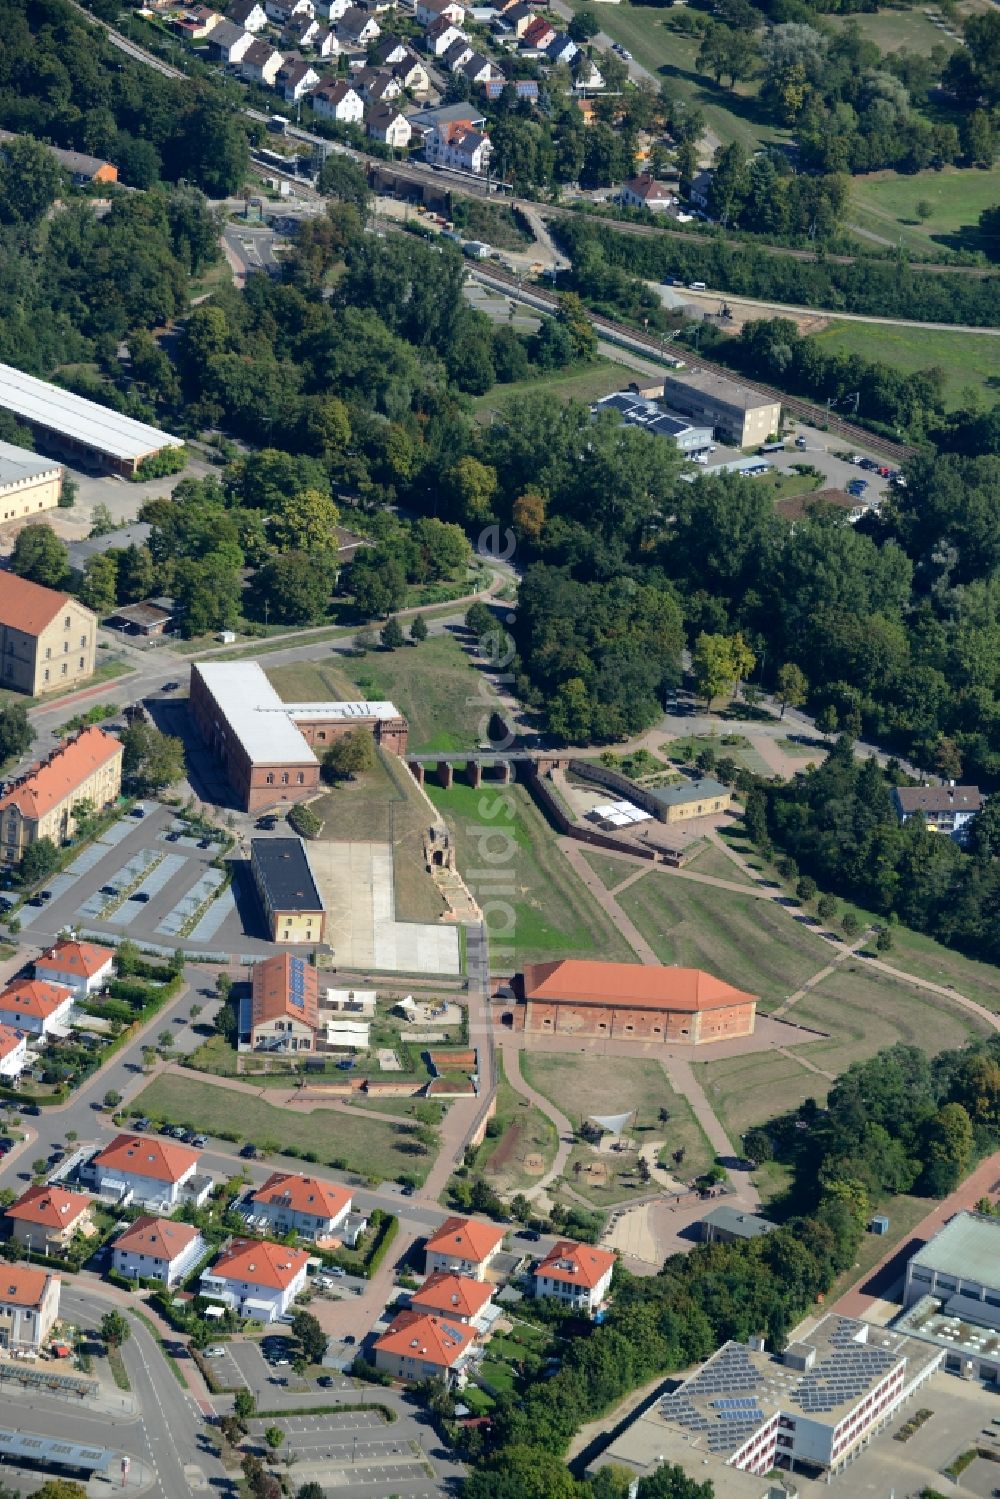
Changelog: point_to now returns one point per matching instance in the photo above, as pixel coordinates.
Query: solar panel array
(297, 983)
(848, 1373)
(728, 1418)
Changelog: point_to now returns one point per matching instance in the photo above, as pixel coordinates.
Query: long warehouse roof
(17, 464)
(255, 713)
(73, 416)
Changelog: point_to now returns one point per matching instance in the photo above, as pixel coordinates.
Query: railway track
(632, 338)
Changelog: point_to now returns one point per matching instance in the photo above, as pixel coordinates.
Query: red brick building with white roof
(83, 967)
(303, 1204)
(417, 1346)
(35, 1007)
(45, 1218)
(464, 1246)
(13, 1051)
(157, 1249)
(146, 1169)
(257, 1278)
(458, 1298)
(577, 1274)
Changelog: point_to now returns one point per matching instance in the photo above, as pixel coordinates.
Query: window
(48, 652)
(46, 674)
(83, 642)
(301, 778)
(81, 663)
(65, 668)
(66, 622)
(284, 778)
(270, 778)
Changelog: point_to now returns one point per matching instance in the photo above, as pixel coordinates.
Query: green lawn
(443, 695)
(367, 1145)
(928, 959)
(746, 941)
(609, 870)
(711, 860)
(969, 360)
(863, 1011)
(686, 750)
(582, 1084)
(580, 382)
(535, 904)
(518, 1131)
(656, 42)
(750, 1089)
(893, 29)
(886, 204)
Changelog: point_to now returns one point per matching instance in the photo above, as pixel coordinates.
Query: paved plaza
(356, 883)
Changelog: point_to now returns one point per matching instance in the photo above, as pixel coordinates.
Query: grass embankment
(969, 360)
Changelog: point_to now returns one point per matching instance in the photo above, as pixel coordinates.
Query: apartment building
(41, 804)
(47, 638)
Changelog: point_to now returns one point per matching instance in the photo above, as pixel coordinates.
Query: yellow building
(293, 907)
(27, 483)
(47, 638)
(41, 804)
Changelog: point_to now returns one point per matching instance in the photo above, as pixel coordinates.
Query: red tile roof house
(256, 1278)
(13, 1052)
(288, 1203)
(29, 1305)
(157, 1249)
(645, 192)
(45, 1218)
(454, 1297)
(145, 1169)
(421, 1347)
(35, 1007)
(577, 1274)
(81, 966)
(464, 1246)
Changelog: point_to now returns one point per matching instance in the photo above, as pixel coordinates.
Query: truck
(476, 249)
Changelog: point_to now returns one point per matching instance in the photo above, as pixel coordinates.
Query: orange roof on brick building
(584, 982)
(35, 997)
(53, 780)
(161, 1237)
(304, 1194)
(432, 1340)
(147, 1155)
(27, 606)
(575, 1264)
(52, 1207)
(259, 1262)
(83, 958)
(455, 1295)
(466, 1239)
(283, 987)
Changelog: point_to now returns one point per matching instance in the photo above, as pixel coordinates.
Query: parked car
(249, 1151)
(337, 1271)
(109, 889)
(531, 1234)
(199, 1142)
(142, 896)
(869, 464)
(140, 1124)
(216, 1351)
(137, 812)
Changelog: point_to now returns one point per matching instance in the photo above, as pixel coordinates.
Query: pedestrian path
(564, 1129)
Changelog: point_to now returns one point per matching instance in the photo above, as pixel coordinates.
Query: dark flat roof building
(284, 879)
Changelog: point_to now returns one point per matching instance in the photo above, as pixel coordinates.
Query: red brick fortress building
(271, 750)
(628, 1002)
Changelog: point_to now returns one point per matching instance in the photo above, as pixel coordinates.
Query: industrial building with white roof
(28, 483)
(82, 430)
(269, 747)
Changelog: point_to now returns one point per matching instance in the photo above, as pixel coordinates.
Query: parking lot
(149, 878)
(357, 1449)
(243, 1365)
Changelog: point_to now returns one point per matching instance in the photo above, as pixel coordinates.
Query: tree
(718, 663)
(884, 940)
(16, 732)
(805, 889)
(40, 556)
(310, 1491)
(850, 925)
(151, 760)
(792, 687)
(343, 179)
(479, 619)
(583, 26)
(391, 635)
(307, 522)
(102, 522)
(418, 629)
(136, 574)
(38, 861)
(244, 1406)
(274, 1436)
(947, 759)
(827, 720)
(575, 318)
(30, 180)
(350, 755)
(310, 1336)
(112, 1098)
(208, 593)
(68, 491)
(826, 908)
(58, 1488)
(99, 589)
(294, 588)
(114, 1329)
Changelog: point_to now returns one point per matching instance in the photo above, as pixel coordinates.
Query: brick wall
(623, 1023)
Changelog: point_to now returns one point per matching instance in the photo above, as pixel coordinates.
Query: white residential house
(250, 15)
(301, 32)
(645, 192)
(587, 74)
(282, 11)
(333, 9)
(413, 75)
(338, 101)
(35, 1006)
(391, 49)
(261, 63)
(577, 1274)
(457, 55)
(356, 28)
(442, 35)
(145, 1169)
(157, 1249)
(429, 11)
(13, 1052)
(295, 79)
(562, 48)
(289, 1203)
(457, 144)
(387, 124)
(377, 85)
(83, 967)
(257, 1278)
(29, 1306)
(326, 44)
(230, 42)
(478, 69)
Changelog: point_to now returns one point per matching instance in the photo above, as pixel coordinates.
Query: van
(697, 286)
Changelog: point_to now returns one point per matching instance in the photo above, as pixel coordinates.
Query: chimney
(757, 1344)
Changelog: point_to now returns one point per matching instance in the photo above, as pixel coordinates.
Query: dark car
(7, 903)
(869, 464)
(528, 1233)
(204, 843)
(109, 889)
(45, 894)
(36, 900)
(170, 686)
(249, 1151)
(172, 837)
(406, 1192)
(137, 812)
(141, 896)
(350, 1339)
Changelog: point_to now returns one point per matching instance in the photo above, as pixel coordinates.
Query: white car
(216, 1352)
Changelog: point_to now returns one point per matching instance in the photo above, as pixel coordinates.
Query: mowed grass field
(435, 685)
(609, 870)
(670, 54)
(535, 904)
(885, 203)
(749, 942)
(579, 383)
(368, 1145)
(928, 959)
(524, 1133)
(750, 1089)
(895, 30)
(968, 360)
